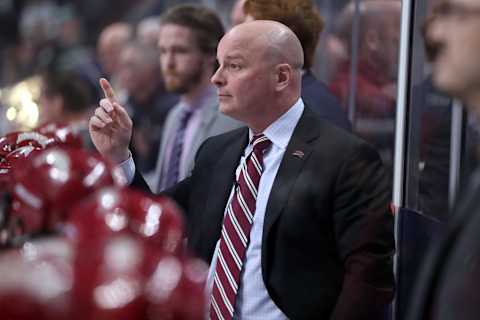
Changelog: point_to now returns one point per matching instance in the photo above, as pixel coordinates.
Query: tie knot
(260, 142)
(185, 114)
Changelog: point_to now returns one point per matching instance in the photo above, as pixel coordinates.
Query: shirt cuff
(128, 168)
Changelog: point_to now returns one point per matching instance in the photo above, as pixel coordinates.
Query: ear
(283, 76)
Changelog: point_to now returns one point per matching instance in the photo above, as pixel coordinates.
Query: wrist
(120, 157)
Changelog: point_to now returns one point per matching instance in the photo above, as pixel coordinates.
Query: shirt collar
(281, 130)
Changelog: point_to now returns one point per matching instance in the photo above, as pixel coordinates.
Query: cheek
(163, 65)
(189, 62)
(252, 94)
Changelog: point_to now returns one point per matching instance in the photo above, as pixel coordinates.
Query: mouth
(434, 51)
(170, 74)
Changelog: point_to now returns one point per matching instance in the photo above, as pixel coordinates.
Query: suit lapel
(298, 151)
(220, 187)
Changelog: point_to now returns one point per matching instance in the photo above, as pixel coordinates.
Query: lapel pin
(299, 154)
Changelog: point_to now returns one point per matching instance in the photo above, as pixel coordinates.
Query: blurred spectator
(331, 57)
(148, 30)
(110, 43)
(304, 20)
(44, 27)
(149, 103)
(9, 16)
(67, 98)
(38, 29)
(379, 38)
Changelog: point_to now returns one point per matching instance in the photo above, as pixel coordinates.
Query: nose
(167, 60)
(434, 29)
(218, 79)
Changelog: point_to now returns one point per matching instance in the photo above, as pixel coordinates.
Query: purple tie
(236, 232)
(170, 175)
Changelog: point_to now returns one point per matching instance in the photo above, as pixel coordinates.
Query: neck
(264, 119)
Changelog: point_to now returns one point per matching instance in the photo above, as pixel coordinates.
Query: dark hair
(204, 23)
(75, 91)
(300, 16)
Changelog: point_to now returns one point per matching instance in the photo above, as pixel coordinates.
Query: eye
(181, 50)
(234, 66)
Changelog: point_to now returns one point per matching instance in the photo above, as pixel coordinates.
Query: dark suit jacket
(317, 95)
(328, 236)
(447, 287)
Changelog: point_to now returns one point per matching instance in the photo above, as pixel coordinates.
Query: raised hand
(111, 127)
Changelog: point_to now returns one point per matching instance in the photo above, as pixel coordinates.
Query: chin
(444, 82)
(224, 108)
(229, 111)
(176, 88)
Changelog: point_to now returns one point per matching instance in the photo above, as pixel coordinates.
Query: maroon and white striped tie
(236, 232)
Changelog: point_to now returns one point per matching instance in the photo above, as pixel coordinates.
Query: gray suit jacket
(213, 123)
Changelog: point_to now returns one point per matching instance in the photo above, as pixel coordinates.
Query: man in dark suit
(447, 287)
(295, 224)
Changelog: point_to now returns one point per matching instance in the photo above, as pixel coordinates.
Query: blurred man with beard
(448, 285)
(187, 42)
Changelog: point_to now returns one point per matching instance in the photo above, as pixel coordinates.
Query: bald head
(110, 43)
(275, 40)
(119, 31)
(260, 72)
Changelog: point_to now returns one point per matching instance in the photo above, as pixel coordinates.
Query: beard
(183, 83)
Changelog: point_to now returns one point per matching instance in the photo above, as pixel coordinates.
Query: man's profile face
(182, 62)
(245, 78)
(455, 31)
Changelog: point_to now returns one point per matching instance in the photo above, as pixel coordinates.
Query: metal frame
(401, 116)
(354, 63)
(455, 151)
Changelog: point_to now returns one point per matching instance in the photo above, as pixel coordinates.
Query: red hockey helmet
(52, 181)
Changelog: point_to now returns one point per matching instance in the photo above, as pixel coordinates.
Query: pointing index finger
(108, 90)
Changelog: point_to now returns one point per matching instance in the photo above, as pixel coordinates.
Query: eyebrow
(234, 57)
